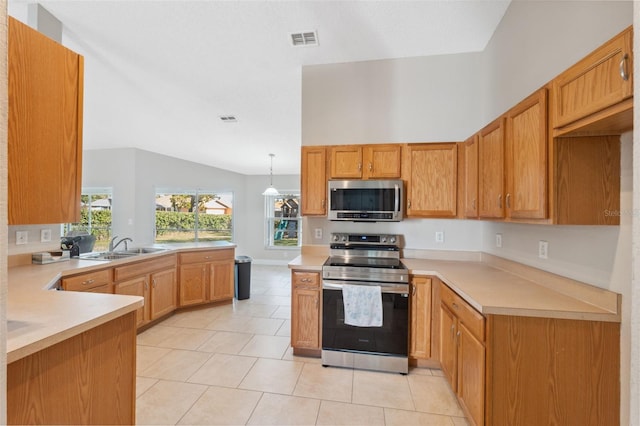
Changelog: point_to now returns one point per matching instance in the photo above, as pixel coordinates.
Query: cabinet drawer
(136, 269)
(472, 319)
(305, 279)
(88, 281)
(206, 256)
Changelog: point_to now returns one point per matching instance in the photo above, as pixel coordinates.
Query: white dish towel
(362, 305)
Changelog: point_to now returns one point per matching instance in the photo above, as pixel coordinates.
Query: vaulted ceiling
(160, 74)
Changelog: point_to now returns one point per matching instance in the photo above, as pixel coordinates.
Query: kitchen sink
(124, 254)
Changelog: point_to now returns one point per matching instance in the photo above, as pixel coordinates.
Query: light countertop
(38, 317)
(494, 290)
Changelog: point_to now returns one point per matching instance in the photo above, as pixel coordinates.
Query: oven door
(390, 339)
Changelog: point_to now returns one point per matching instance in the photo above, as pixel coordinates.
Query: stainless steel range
(370, 330)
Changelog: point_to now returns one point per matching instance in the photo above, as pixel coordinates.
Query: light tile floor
(232, 365)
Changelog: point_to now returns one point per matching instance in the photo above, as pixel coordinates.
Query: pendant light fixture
(271, 190)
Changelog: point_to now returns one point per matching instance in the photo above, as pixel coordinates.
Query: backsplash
(33, 243)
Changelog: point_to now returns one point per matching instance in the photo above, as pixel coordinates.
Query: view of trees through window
(283, 220)
(189, 216)
(95, 217)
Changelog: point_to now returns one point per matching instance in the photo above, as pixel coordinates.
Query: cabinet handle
(89, 281)
(453, 330)
(370, 167)
(413, 289)
(207, 257)
(473, 204)
(317, 303)
(408, 204)
(359, 166)
(508, 200)
(146, 285)
(500, 201)
(454, 305)
(323, 203)
(154, 283)
(623, 67)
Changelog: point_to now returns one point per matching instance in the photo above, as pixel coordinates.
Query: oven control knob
(344, 238)
(392, 240)
(336, 237)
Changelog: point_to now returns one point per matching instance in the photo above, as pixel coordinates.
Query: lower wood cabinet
(99, 281)
(306, 307)
(155, 280)
(420, 330)
(462, 352)
(206, 276)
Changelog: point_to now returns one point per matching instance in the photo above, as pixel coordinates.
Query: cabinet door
(88, 281)
(420, 318)
(164, 293)
(313, 181)
(491, 170)
(471, 373)
(432, 180)
(221, 281)
(381, 161)
(346, 162)
(448, 349)
(193, 284)
(137, 287)
(470, 198)
(526, 143)
(44, 129)
(602, 79)
(305, 318)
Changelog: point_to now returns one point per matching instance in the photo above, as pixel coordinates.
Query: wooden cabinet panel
(164, 293)
(193, 284)
(470, 173)
(105, 288)
(526, 146)
(420, 339)
(346, 162)
(203, 256)
(587, 181)
(471, 374)
(88, 379)
(221, 281)
(431, 175)
(491, 170)
(44, 128)
(143, 267)
(88, 281)
(313, 181)
(602, 79)
(305, 310)
(382, 161)
(448, 352)
(137, 287)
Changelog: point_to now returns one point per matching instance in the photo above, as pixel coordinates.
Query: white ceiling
(158, 74)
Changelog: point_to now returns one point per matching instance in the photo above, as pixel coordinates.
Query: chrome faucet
(113, 246)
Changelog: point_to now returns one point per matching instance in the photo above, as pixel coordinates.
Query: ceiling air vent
(228, 118)
(308, 38)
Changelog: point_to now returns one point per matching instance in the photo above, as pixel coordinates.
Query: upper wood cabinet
(595, 94)
(431, 173)
(469, 168)
(491, 170)
(526, 158)
(313, 181)
(380, 161)
(44, 129)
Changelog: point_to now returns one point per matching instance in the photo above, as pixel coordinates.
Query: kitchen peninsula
(64, 345)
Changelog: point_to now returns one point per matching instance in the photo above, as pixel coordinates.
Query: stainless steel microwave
(366, 200)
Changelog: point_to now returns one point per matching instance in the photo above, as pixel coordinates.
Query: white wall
(135, 174)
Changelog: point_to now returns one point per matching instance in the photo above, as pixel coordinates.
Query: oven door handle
(385, 287)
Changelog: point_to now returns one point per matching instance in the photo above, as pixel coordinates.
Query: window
(193, 215)
(95, 217)
(282, 214)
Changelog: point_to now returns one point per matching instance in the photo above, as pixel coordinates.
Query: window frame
(270, 218)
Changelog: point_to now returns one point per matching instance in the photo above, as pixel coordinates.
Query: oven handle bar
(385, 287)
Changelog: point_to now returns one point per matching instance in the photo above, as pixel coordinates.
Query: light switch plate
(499, 240)
(318, 233)
(439, 237)
(22, 237)
(543, 249)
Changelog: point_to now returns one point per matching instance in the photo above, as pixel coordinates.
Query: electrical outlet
(499, 240)
(543, 249)
(45, 235)
(439, 237)
(318, 233)
(22, 237)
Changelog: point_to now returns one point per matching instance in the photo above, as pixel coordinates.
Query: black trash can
(243, 277)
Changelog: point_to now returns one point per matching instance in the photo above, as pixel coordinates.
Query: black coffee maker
(76, 244)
